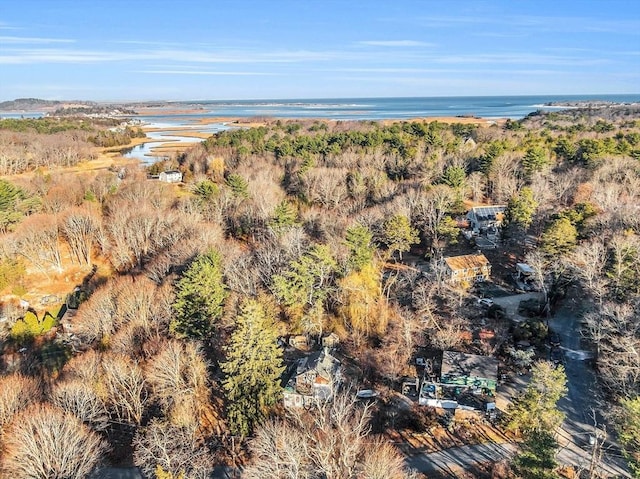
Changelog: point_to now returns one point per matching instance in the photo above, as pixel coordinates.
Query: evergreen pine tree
(305, 287)
(535, 409)
(536, 416)
(238, 185)
(200, 295)
(284, 216)
(521, 208)
(253, 366)
(361, 249)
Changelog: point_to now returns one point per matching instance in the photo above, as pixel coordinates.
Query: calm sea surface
(514, 107)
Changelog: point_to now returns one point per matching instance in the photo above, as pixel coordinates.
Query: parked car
(485, 302)
(367, 394)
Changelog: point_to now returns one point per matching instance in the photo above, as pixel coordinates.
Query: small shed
(299, 342)
(525, 277)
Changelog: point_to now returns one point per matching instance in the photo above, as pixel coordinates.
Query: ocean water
(514, 107)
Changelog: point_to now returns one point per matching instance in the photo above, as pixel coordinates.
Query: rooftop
(322, 362)
(488, 212)
(467, 261)
(524, 268)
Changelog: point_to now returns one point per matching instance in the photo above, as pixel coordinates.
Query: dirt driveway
(510, 304)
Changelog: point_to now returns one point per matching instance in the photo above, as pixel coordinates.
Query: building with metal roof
(482, 217)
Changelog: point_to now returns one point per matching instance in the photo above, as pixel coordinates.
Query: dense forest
(49, 142)
(171, 345)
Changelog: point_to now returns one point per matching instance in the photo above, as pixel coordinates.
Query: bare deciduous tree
(337, 433)
(590, 260)
(448, 335)
(95, 319)
(124, 388)
(326, 186)
(381, 460)
(80, 228)
(240, 272)
(176, 449)
(64, 192)
(178, 380)
(279, 451)
(45, 442)
(37, 240)
(329, 441)
(80, 399)
(16, 393)
(616, 332)
(398, 344)
(431, 210)
(85, 367)
(477, 183)
(502, 177)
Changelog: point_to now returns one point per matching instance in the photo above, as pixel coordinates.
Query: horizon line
(306, 99)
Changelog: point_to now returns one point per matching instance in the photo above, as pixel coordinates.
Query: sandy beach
(263, 120)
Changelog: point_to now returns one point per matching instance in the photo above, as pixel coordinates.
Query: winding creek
(164, 133)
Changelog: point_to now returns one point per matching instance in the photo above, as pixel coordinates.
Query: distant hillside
(36, 104)
(28, 104)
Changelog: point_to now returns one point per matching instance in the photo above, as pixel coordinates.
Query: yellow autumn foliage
(364, 307)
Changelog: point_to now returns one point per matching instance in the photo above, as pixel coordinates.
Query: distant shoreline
(458, 109)
(261, 120)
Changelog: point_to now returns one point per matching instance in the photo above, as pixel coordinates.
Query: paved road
(451, 460)
(582, 399)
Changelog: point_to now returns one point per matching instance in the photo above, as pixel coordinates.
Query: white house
(171, 176)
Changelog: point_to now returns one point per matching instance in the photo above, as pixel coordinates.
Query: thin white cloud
(453, 21)
(18, 56)
(6, 26)
(395, 43)
(518, 58)
(438, 71)
(575, 24)
(200, 72)
(32, 40)
(536, 23)
(25, 56)
(145, 42)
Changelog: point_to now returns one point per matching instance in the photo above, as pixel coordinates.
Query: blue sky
(251, 49)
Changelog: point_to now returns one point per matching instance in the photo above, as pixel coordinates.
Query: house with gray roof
(313, 378)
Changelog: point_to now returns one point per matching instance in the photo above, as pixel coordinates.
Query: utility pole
(596, 441)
